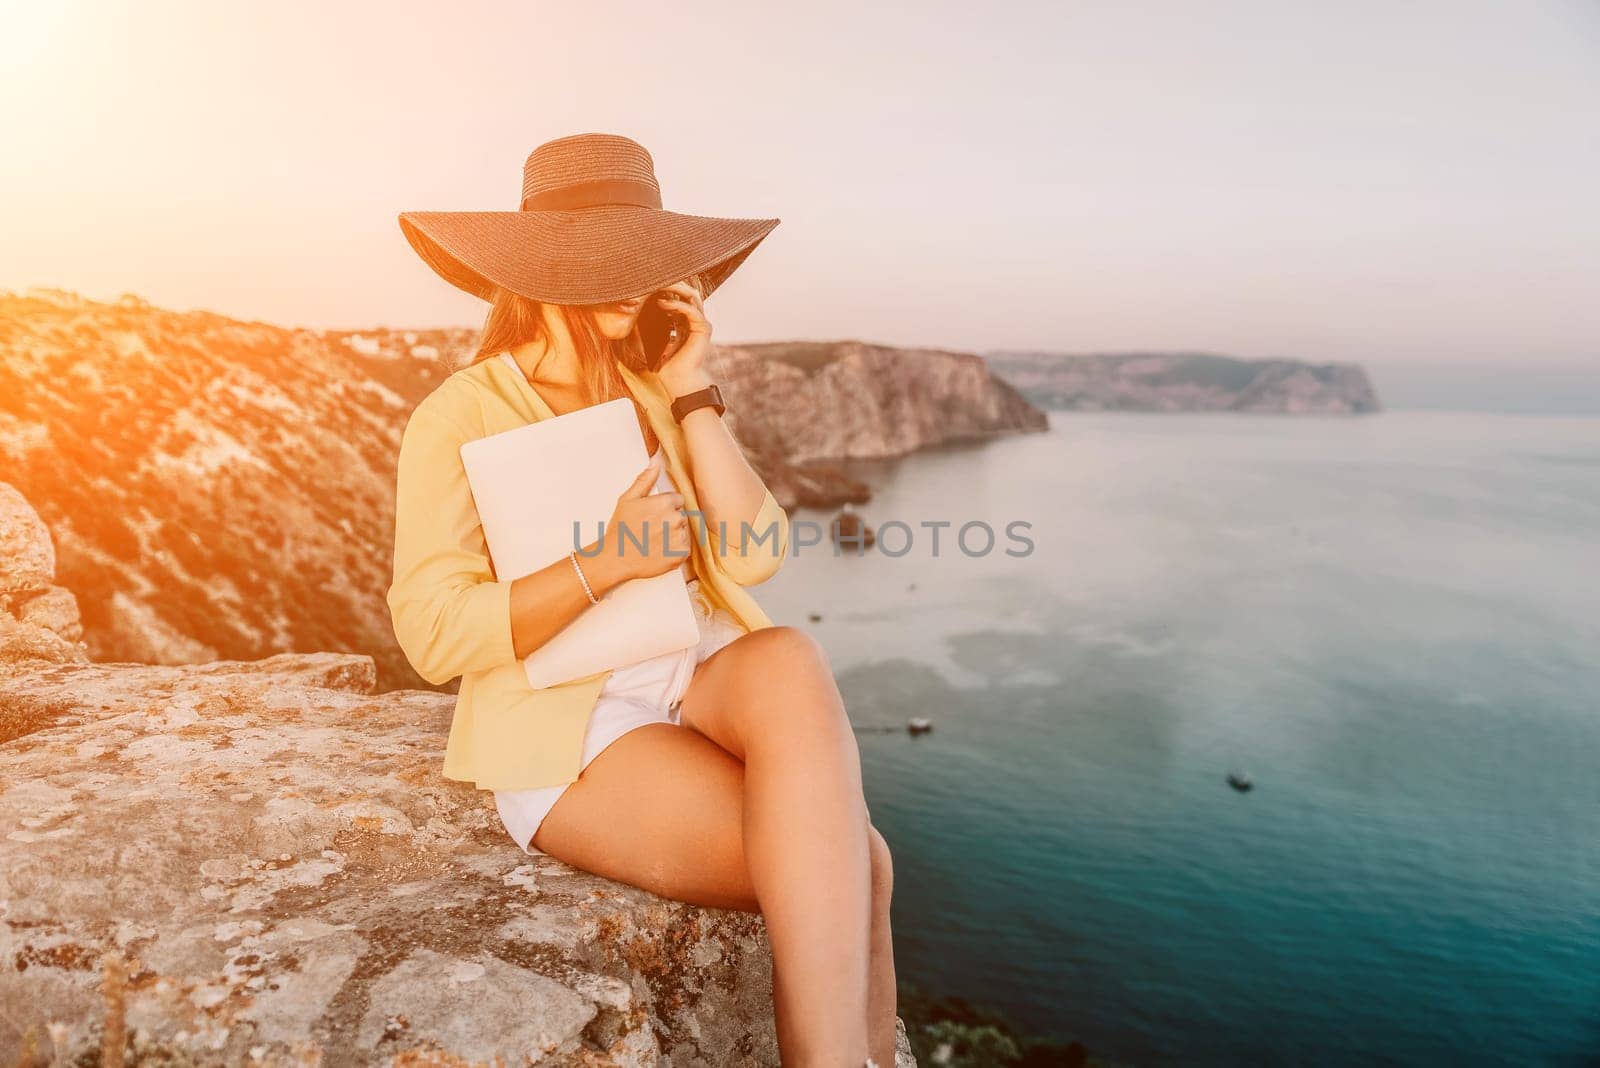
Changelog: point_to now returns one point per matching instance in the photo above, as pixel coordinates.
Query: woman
(725, 775)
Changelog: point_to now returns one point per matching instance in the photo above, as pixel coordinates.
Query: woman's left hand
(685, 370)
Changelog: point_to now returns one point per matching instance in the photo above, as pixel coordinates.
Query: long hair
(515, 320)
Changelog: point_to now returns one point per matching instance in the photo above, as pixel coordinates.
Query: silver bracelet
(574, 558)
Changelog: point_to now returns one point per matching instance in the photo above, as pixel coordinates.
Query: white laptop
(530, 485)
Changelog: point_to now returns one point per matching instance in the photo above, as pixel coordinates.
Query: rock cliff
(821, 400)
(259, 863)
(1186, 382)
(39, 621)
(215, 488)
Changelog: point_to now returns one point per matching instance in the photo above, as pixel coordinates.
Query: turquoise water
(1391, 622)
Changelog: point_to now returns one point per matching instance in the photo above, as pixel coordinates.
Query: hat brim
(588, 256)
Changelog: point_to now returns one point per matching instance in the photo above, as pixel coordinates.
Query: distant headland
(1186, 382)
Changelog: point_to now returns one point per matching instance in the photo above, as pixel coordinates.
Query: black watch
(700, 398)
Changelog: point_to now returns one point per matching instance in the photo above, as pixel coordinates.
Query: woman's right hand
(645, 515)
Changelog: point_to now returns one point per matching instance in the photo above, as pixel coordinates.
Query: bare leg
(659, 808)
(881, 994)
(664, 808)
(769, 698)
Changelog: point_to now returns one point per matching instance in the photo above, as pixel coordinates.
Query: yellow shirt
(452, 613)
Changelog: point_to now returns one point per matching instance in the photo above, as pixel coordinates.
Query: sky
(1403, 184)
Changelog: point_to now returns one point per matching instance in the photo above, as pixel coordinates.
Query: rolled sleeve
(753, 552)
(451, 616)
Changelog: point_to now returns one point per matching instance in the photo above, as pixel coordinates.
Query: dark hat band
(595, 194)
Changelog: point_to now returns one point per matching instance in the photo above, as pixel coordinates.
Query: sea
(1390, 623)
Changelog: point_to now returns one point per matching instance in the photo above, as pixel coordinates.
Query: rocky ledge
(39, 620)
(257, 862)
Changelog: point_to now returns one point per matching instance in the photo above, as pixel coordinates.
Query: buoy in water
(1240, 782)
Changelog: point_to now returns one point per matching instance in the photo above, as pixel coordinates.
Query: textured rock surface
(39, 621)
(27, 556)
(1187, 382)
(271, 850)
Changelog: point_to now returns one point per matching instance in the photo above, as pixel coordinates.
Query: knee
(882, 868)
(784, 645)
(788, 663)
(790, 654)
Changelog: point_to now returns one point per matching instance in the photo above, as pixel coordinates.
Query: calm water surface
(1391, 622)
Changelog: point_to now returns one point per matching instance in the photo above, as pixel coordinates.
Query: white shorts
(648, 691)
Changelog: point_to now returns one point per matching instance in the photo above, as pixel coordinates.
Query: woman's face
(616, 320)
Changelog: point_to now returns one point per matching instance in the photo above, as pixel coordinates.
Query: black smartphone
(660, 331)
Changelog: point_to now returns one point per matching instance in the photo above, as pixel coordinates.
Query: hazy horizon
(1408, 188)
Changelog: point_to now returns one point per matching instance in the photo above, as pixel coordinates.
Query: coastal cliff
(216, 489)
(1186, 382)
(225, 489)
(258, 862)
(830, 400)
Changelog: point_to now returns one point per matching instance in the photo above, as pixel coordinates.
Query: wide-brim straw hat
(590, 230)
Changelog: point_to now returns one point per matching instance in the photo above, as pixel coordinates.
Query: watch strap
(711, 397)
